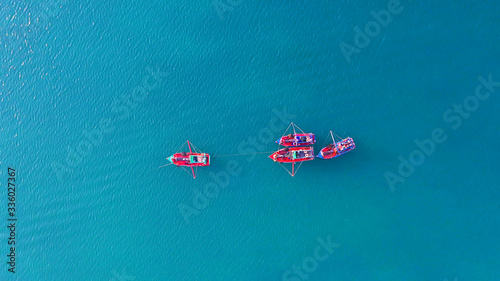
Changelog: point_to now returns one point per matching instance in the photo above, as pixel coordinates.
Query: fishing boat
(296, 139)
(190, 159)
(293, 155)
(338, 148)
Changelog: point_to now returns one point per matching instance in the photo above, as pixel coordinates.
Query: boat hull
(190, 159)
(293, 155)
(297, 140)
(337, 149)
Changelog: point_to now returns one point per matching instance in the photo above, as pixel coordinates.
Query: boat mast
(331, 134)
(192, 170)
(294, 134)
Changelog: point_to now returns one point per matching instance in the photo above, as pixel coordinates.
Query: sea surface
(94, 95)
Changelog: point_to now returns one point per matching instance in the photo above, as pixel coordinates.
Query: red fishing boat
(190, 159)
(293, 155)
(336, 149)
(296, 139)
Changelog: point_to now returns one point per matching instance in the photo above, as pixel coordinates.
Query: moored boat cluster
(298, 148)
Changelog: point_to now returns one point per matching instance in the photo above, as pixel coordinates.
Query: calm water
(86, 141)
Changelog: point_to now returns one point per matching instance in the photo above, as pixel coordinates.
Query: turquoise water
(86, 142)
